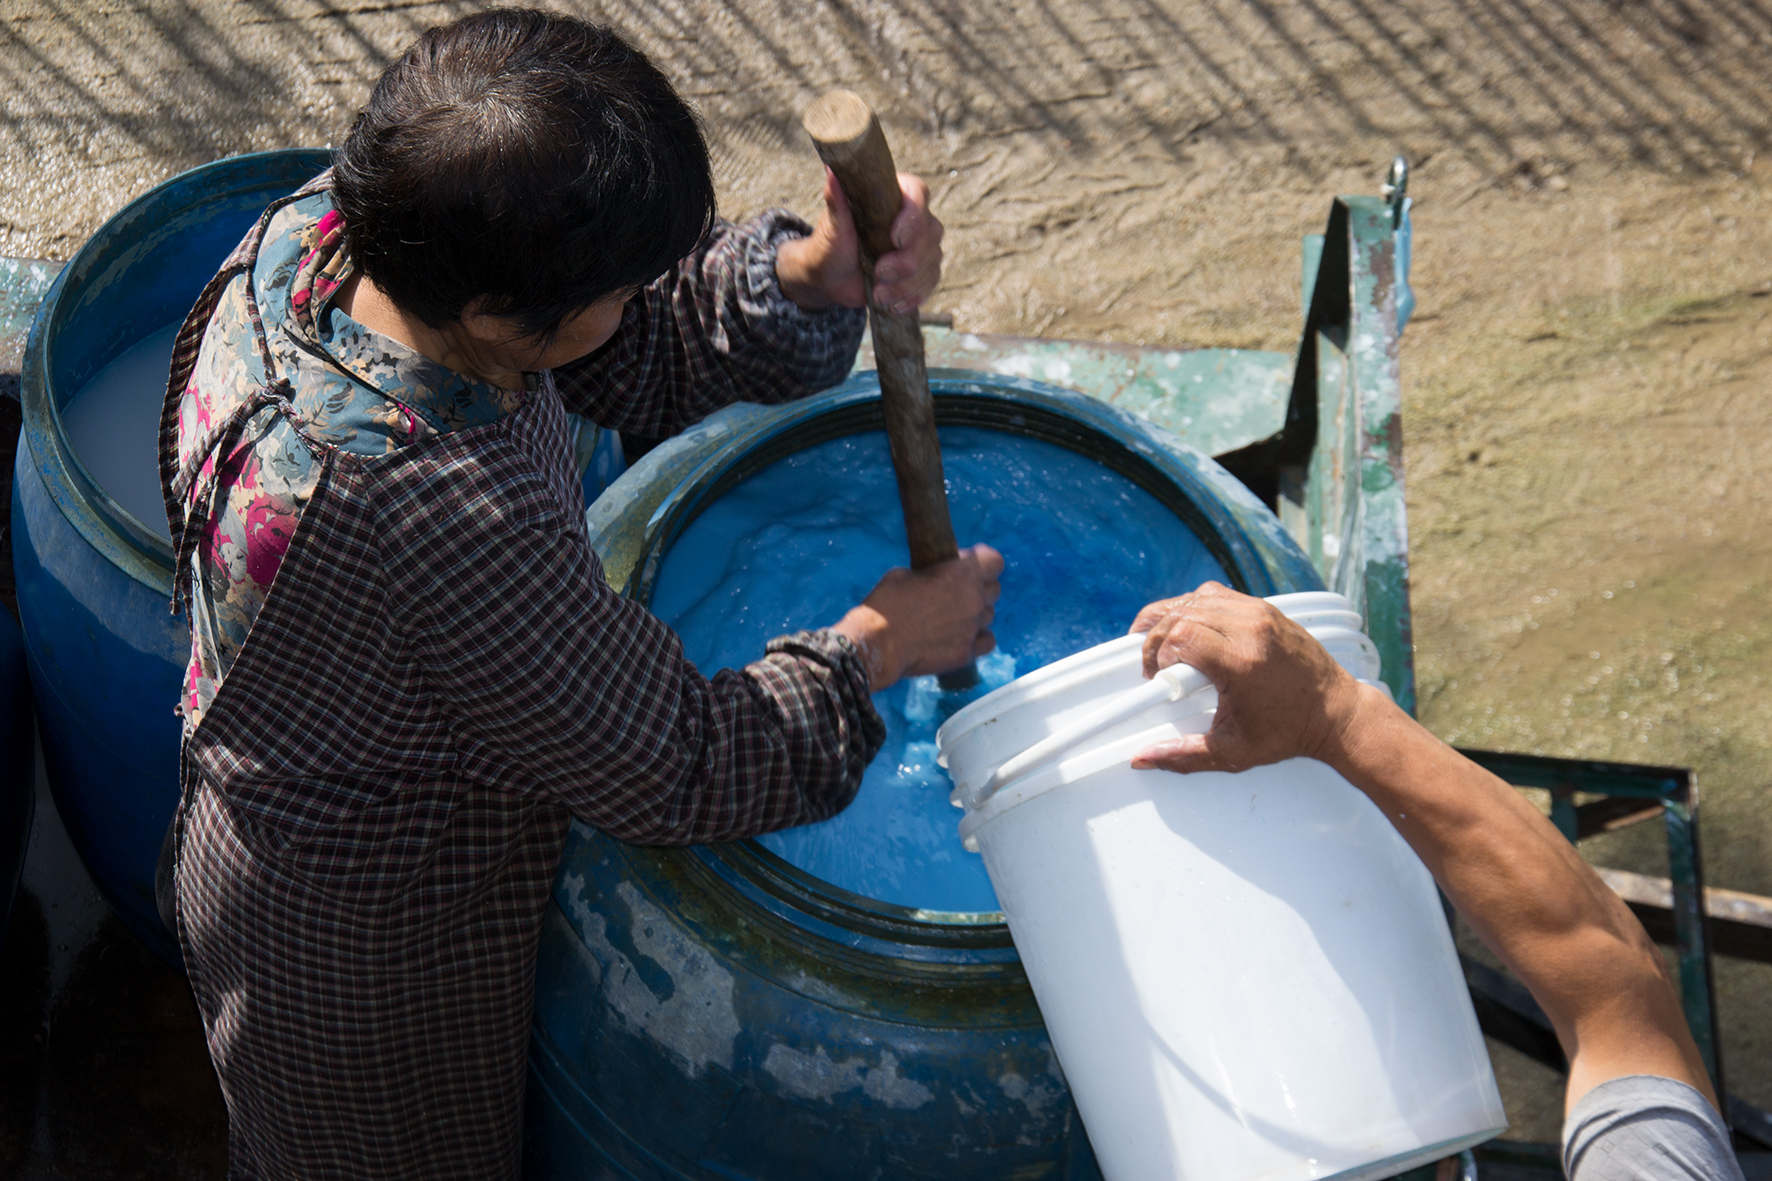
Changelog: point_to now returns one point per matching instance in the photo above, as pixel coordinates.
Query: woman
(407, 670)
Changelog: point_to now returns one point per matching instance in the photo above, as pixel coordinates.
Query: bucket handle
(1170, 684)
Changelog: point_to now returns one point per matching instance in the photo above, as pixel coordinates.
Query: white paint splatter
(697, 1023)
(885, 1085)
(816, 1076)
(1035, 1096)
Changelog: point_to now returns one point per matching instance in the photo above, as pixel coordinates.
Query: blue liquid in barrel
(113, 424)
(799, 543)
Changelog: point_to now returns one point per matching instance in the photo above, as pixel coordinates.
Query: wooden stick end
(840, 119)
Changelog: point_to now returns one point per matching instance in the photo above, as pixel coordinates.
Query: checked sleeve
(556, 685)
(714, 330)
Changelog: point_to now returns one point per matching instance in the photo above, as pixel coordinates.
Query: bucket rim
(1043, 681)
(1071, 753)
(1329, 616)
(1080, 767)
(1309, 609)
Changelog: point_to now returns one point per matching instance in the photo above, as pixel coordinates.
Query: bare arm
(1522, 887)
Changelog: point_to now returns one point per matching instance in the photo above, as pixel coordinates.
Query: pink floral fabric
(364, 393)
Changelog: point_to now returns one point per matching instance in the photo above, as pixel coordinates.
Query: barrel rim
(109, 528)
(1255, 552)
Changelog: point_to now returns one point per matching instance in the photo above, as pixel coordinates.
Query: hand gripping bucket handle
(1170, 684)
(1352, 648)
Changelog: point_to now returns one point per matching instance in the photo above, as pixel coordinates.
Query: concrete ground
(1584, 379)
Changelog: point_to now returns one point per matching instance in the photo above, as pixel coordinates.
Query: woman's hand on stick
(824, 268)
(918, 622)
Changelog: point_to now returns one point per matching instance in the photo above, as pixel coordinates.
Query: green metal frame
(1334, 471)
(1623, 793)
(1346, 504)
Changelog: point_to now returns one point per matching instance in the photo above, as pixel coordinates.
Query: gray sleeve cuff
(1646, 1128)
(820, 346)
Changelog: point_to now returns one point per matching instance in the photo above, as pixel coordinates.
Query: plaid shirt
(377, 790)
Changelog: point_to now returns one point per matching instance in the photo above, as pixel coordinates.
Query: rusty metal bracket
(1334, 471)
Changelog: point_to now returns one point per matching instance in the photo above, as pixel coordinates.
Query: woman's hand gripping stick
(851, 144)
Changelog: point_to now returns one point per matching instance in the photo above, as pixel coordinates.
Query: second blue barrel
(17, 783)
(90, 549)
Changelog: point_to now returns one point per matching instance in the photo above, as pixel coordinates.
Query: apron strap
(220, 444)
(176, 484)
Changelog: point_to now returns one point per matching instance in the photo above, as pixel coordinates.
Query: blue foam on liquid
(799, 543)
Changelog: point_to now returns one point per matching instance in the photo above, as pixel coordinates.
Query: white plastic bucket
(1246, 977)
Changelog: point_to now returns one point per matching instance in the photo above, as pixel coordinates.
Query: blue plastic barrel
(18, 796)
(715, 1012)
(106, 657)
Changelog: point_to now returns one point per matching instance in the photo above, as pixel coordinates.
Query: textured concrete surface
(1584, 378)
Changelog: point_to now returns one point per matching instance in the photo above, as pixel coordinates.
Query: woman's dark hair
(538, 160)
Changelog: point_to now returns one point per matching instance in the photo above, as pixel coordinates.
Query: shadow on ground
(109, 1080)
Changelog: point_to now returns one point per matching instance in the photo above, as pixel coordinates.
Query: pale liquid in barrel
(799, 543)
(113, 424)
